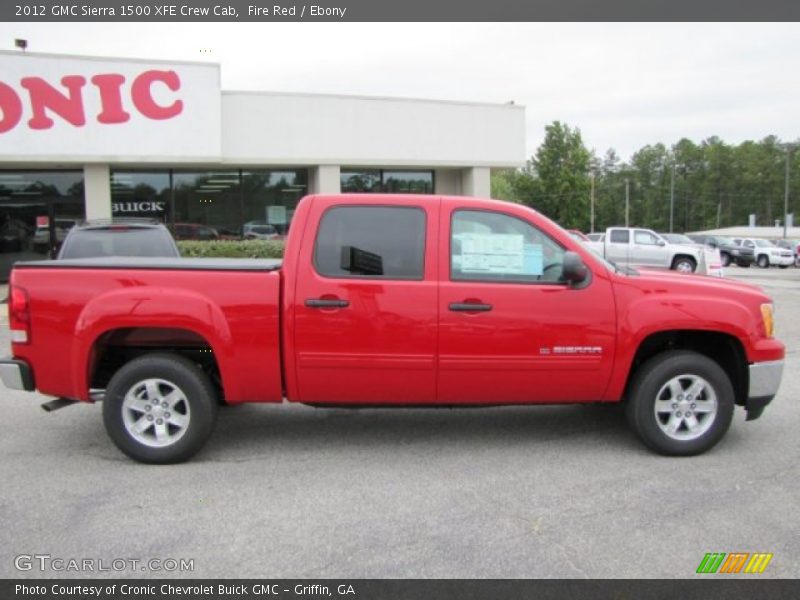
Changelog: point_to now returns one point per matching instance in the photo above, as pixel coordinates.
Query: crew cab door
(618, 245)
(649, 249)
(365, 302)
(509, 330)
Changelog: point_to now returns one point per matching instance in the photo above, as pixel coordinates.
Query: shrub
(231, 248)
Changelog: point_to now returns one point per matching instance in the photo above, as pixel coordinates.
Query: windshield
(723, 241)
(677, 238)
(92, 243)
(764, 244)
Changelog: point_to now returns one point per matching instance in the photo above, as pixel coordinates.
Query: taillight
(19, 315)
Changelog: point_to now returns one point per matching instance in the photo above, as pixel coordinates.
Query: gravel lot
(291, 491)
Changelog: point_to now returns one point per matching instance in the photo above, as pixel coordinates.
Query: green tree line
(713, 184)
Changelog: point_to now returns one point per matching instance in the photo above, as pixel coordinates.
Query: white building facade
(88, 138)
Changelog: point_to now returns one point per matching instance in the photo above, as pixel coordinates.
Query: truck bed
(90, 311)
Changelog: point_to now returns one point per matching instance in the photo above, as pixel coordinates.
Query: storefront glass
(216, 204)
(141, 194)
(37, 208)
(387, 181)
(207, 198)
(269, 199)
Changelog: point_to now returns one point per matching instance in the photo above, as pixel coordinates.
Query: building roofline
(159, 61)
(367, 97)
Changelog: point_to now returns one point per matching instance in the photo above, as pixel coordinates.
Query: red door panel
(366, 340)
(532, 342)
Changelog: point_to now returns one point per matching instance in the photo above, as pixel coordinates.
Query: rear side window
(381, 242)
(619, 236)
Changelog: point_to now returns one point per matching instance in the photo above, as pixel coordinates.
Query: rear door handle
(470, 307)
(324, 303)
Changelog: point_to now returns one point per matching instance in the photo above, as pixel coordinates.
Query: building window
(362, 181)
(208, 204)
(141, 194)
(269, 199)
(408, 182)
(387, 181)
(37, 208)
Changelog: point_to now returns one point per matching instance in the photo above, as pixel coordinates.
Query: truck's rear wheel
(684, 264)
(159, 408)
(680, 403)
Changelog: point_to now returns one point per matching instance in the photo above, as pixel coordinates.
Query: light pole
(627, 202)
(671, 197)
(591, 204)
(786, 192)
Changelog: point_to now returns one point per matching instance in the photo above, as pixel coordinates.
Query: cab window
(619, 236)
(380, 242)
(644, 238)
(491, 246)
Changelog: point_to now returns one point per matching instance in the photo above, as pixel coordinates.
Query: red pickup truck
(392, 301)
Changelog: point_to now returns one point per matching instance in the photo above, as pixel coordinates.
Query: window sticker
(497, 254)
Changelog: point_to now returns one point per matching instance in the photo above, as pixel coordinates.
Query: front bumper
(16, 374)
(765, 379)
(781, 261)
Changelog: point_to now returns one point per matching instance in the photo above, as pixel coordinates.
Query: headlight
(768, 319)
(735, 252)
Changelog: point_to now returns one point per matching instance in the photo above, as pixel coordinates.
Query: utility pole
(671, 197)
(591, 205)
(627, 202)
(786, 192)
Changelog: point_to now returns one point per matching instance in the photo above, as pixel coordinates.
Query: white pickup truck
(636, 247)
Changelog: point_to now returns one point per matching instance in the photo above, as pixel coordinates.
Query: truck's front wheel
(680, 403)
(159, 408)
(684, 264)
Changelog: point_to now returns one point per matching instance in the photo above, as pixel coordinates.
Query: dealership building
(96, 138)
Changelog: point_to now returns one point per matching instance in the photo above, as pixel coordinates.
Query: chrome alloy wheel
(686, 407)
(155, 412)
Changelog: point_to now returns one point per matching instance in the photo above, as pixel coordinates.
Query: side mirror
(662, 243)
(574, 271)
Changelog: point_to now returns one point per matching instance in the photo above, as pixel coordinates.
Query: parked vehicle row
(637, 247)
(766, 253)
(729, 250)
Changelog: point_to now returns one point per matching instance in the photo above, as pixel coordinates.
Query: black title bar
(234, 11)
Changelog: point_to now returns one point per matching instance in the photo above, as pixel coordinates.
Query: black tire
(684, 264)
(763, 261)
(650, 383)
(196, 404)
(726, 259)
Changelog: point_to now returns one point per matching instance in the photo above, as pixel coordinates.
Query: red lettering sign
(47, 101)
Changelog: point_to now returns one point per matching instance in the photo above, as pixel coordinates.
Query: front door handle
(470, 307)
(325, 303)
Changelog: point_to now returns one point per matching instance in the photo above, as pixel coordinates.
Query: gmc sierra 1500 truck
(385, 300)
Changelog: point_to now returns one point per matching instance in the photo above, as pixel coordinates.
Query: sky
(623, 85)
